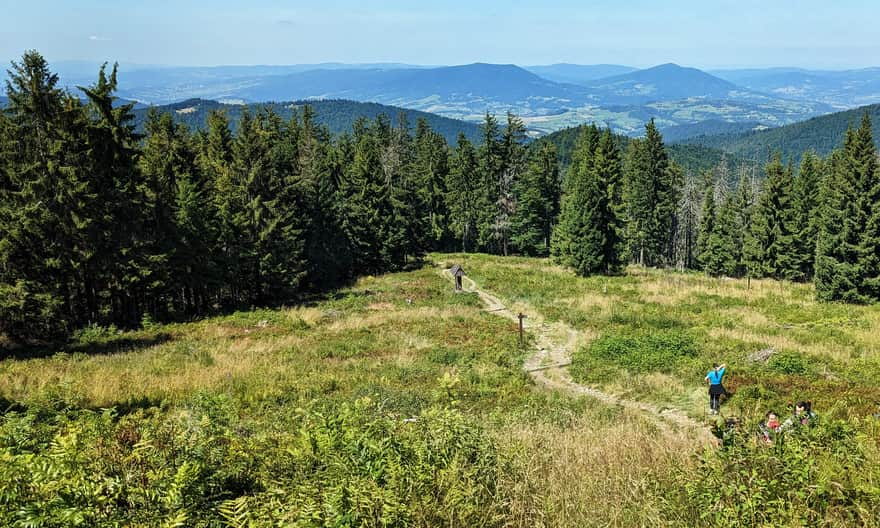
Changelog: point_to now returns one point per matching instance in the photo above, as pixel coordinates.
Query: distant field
(398, 402)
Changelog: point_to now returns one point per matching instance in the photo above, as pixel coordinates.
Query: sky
(829, 34)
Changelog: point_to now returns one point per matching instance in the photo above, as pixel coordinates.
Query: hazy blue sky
(702, 33)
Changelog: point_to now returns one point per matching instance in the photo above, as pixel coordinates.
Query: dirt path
(555, 343)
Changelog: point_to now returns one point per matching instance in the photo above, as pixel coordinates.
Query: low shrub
(658, 350)
(204, 465)
(796, 481)
(790, 363)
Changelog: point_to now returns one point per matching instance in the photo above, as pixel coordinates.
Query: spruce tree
(466, 197)
(562, 238)
(590, 220)
(687, 232)
(328, 249)
(743, 204)
(491, 164)
(431, 170)
(707, 222)
(805, 200)
(537, 203)
(719, 257)
(45, 218)
(837, 248)
(770, 243)
(513, 165)
(862, 156)
(370, 220)
(653, 185)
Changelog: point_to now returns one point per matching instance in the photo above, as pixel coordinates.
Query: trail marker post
(521, 316)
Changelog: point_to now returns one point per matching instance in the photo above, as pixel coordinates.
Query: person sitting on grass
(803, 415)
(714, 378)
(770, 427)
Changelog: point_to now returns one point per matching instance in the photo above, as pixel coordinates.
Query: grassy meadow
(397, 402)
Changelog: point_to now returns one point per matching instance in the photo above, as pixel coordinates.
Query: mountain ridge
(338, 115)
(821, 134)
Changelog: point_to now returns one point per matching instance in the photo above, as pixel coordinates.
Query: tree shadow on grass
(104, 347)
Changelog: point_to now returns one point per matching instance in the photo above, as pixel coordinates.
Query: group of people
(802, 414)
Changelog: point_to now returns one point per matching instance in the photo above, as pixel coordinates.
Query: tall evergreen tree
(537, 203)
(707, 221)
(590, 218)
(743, 204)
(431, 170)
(491, 166)
(770, 244)
(371, 221)
(862, 157)
(719, 258)
(466, 197)
(652, 190)
(562, 238)
(328, 249)
(836, 275)
(849, 230)
(805, 200)
(687, 232)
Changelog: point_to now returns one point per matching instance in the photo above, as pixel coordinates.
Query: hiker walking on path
(716, 389)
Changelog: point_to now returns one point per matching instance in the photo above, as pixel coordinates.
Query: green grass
(832, 346)
(399, 402)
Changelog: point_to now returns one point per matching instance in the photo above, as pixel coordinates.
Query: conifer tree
(513, 164)
(652, 190)
(805, 200)
(590, 218)
(837, 274)
(466, 197)
(770, 243)
(862, 157)
(327, 247)
(687, 232)
(707, 221)
(491, 164)
(537, 203)
(849, 234)
(431, 170)
(718, 258)
(562, 238)
(743, 204)
(370, 219)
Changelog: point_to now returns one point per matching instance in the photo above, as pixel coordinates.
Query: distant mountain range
(578, 73)
(840, 89)
(547, 97)
(821, 134)
(683, 101)
(337, 115)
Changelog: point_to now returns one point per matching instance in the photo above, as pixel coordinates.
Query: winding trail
(555, 343)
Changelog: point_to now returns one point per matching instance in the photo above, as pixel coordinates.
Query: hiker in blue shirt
(716, 389)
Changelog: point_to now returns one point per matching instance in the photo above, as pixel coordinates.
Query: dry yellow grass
(598, 472)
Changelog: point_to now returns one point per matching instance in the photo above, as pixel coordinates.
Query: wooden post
(521, 338)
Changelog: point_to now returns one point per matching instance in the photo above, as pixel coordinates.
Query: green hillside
(822, 134)
(337, 115)
(693, 158)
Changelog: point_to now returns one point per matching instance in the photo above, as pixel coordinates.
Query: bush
(798, 481)
(204, 466)
(791, 363)
(660, 350)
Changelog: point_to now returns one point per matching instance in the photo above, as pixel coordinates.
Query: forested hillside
(819, 134)
(337, 115)
(692, 158)
(100, 224)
